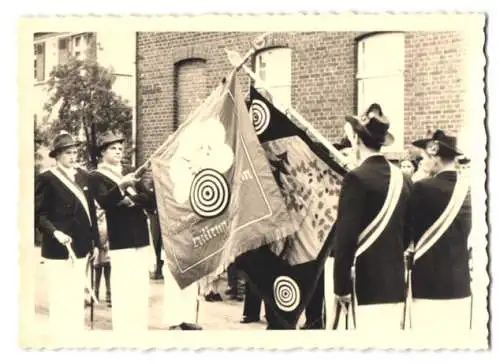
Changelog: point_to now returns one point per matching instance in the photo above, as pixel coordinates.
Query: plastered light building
(113, 50)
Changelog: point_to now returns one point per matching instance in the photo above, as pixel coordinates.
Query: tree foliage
(86, 90)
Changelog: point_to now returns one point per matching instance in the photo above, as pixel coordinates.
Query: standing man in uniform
(124, 200)
(65, 215)
(440, 215)
(369, 240)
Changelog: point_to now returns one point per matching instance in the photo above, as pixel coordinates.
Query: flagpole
(235, 58)
(256, 44)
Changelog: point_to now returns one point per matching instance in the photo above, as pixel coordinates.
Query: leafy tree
(87, 97)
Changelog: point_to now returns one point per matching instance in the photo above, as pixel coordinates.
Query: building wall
(324, 68)
(434, 83)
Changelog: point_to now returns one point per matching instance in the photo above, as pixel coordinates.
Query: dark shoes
(248, 319)
(108, 299)
(318, 325)
(213, 297)
(185, 326)
(157, 275)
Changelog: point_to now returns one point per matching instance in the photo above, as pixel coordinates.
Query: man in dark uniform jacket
(379, 270)
(65, 215)
(327, 291)
(440, 276)
(124, 200)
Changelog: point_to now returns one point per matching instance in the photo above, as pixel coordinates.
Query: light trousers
(66, 294)
(329, 294)
(440, 315)
(179, 305)
(130, 289)
(379, 317)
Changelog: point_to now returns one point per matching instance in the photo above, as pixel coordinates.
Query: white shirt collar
(115, 168)
(70, 172)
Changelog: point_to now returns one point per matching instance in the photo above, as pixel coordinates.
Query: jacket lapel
(74, 188)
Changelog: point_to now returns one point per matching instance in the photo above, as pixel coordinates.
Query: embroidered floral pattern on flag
(286, 272)
(308, 177)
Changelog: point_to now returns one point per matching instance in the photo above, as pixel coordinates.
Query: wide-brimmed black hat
(107, 138)
(62, 141)
(372, 125)
(439, 144)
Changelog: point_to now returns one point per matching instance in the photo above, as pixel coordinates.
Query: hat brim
(54, 152)
(108, 143)
(359, 128)
(422, 144)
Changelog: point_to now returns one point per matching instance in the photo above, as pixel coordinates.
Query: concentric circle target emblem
(210, 193)
(260, 116)
(286, 293)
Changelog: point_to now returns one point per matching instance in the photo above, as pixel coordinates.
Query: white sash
(111, 175)
(372, 232)
(74, 188)
(436, 230)
(431, 237)
(115, 178)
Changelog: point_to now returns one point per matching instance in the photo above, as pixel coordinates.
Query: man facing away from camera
(370, 236)
(440, 218)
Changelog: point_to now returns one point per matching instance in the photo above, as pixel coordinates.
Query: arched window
(274, 66)
(190, 87)
(380, 78)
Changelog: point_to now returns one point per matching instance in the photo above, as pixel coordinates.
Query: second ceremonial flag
(286, 273)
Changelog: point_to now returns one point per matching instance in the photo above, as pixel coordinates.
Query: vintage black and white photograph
(282, 181)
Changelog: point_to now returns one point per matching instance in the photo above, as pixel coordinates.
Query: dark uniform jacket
(443, 271)
(380, 269)
(127, 226)
(58, 208)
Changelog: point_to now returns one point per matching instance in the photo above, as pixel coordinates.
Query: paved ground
(212, 315)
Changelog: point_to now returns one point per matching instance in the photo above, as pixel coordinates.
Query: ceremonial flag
(286, 273)
(216, 194)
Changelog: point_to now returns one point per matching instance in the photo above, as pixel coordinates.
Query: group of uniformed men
(393, 239)
(401, 255)
(67, 201)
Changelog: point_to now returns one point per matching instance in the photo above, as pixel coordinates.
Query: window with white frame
(380, 78)
(64, 50)
(79, 47)
(274, 67)
(39, 62)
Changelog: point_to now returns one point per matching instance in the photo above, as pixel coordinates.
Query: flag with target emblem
(215, 191)
(286, 272)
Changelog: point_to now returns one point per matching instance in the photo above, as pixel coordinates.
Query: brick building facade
(416, 76)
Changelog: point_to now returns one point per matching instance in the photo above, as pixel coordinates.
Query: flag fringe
(238, 249)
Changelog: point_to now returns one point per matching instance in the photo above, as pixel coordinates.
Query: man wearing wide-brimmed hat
(440, 217)
(124, 200)
(65, 215)
(370, 231)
